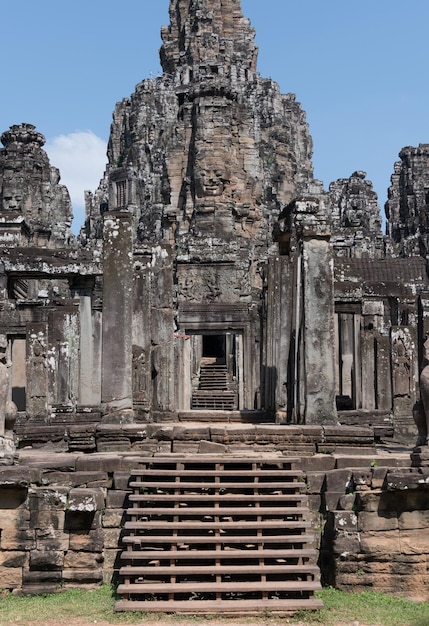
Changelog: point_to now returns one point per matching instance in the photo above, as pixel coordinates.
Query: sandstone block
(79, 576)
(113, 518)
(77, 479)
(44, 519)
(31, 577)
(411, 520)
(318, 463)
(48, 498)
(210, 447)
(82, 560)
(415, 541)
(373, 521)
(339, 480)
(51, 539)
(86, 500)
(117, 499)
(121, 480)
(10, 577)
(46, 559)
(346, 521)
(345, 544)
(376, 543)
(112, 538)
(315, 482)
(13, 558)
(88, 541)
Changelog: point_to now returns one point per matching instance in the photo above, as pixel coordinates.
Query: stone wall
(62, 513)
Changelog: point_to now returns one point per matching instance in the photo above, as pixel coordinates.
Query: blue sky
(358, 68)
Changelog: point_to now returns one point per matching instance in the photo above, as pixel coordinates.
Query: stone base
(8, 454)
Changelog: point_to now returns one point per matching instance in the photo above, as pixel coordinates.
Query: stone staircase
(213, 391)
(217, 535)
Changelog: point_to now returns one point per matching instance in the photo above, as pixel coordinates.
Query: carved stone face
(11, 199)
(211, 182)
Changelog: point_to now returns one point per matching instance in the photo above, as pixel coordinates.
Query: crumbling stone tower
(203, 159)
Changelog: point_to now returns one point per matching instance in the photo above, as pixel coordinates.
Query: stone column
(318, 328)
(37, 371)
(116, 381)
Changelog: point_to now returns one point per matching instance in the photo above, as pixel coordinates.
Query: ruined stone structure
(214, 281)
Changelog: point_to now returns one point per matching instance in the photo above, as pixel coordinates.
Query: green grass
(374, 609)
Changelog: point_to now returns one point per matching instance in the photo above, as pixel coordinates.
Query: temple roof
(212, 32)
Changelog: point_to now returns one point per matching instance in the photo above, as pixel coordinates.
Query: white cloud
(81, 159)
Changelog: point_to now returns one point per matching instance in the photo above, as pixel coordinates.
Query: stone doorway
(216, 372)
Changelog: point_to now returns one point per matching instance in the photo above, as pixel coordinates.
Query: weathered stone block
(46, 559)
(112, 538)
(13, 558)
(85, 500)
(415, 541)
(117, 499)
(346, 521)
(82, 560)
(15, 539)
(77, 479)
(34, 577)
(79, 576)
(386, 542)
(50, 498)
(113, 518)
(347, 502)
(44, 519)
(318, 463)
(339, 480)
(10, 577)
(184, 447)
(410, 520)
(211, 447)
(51, 539)
(402, 480)
(121, 480)
(233, 434)
(373, 521)
(332, 499)
(315, 482)
(88, 541)
(346, 543)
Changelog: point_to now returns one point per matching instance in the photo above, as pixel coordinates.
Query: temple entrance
(215, 371)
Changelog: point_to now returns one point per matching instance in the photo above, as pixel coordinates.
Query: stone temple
(217, 301)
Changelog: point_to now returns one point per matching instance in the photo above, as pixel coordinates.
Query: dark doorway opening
(214, 346)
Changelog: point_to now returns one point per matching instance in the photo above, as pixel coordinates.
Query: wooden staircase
(213, 392)
(217, 535)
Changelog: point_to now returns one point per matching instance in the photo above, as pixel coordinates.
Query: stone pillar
(37, 371)
(116, 381)
(278, 336)
(318, 328)
(89, 393)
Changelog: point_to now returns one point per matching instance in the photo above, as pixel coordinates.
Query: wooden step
(221, 473)
(222, 499)
(210, 526)
(221, 587)
(203, 535)
(224, 554)
(218, 511)
(228, 607)
(198, 539)
(179, 570)
(159, 485)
